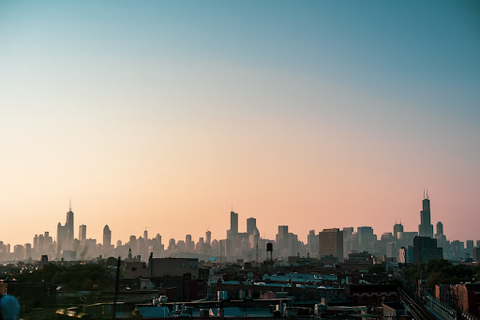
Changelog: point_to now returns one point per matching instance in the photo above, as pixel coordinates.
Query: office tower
(476, 254)
(469, 250)
(208, 237)
(440, 228)
(27, 251)
(283, 242)
(233, 223)
(458, 249)
(171, 244)
(251, 225)
(65, 233)
(189, 244)
(425, 248)
(391, 250)
(425, 228)
(82, 233)
(48, 241)
(365, 236)
(312, 242)
(200, 245)
(61, 238)
(350, 242)
(107, 237)
(41, 244)
(145, 235)
(158, 239)
(397, 227)
(69, 224)
(282, 232)
(132, 243)
(331, 243)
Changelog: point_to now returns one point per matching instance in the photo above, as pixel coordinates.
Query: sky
(165, 115)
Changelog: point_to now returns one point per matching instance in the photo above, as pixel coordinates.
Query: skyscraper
(425, 248)
(65, 233)
(251, 225)
(425, 228)
(440, 228)
(365, 236)
(331, 243)
(107, 236)
(397, 227)
(208, 236)
(69, 226)
(233, 223)
(82, 233)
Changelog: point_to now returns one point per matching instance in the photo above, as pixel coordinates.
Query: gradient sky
(163, 114)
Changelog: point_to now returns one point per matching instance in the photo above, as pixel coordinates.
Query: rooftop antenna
(424, 193)
(427, 193)
(69, 204)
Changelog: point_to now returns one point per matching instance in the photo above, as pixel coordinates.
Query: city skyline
(64, 230)
(163, 114)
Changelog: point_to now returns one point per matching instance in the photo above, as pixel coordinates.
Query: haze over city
(165, 115)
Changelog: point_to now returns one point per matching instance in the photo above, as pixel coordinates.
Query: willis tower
(425, 228)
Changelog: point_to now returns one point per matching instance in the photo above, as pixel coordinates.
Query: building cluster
(397, 246)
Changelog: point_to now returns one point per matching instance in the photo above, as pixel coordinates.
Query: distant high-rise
(107, 236)
(365, 237)
(251, 225)
(312, 242)
(233, 223)
(82, 233)
(208, 236)
(397, 227)
(440, 228)
(331, 243)
(65, 233)
(69, 224)
(425, 228)
(425, 248)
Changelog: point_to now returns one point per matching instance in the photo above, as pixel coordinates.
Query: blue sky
(114, 90)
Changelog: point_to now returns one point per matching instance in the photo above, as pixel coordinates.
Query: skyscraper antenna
(69, 204)
(427, 193)
(424, 193)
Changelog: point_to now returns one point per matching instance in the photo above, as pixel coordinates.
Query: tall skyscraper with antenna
(65, 233)
(69, 225)
(425, 228)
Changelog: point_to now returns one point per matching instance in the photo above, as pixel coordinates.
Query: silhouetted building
(425, 228)
(251, 225)
(65, 233)
(312, 242)
(440, 228)
(107, 236)
(365, 237)
(208, 237)
(425, 248)
(82, 233)
(331, 243)
(397, 227)
(233, 223)
(476, 254)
